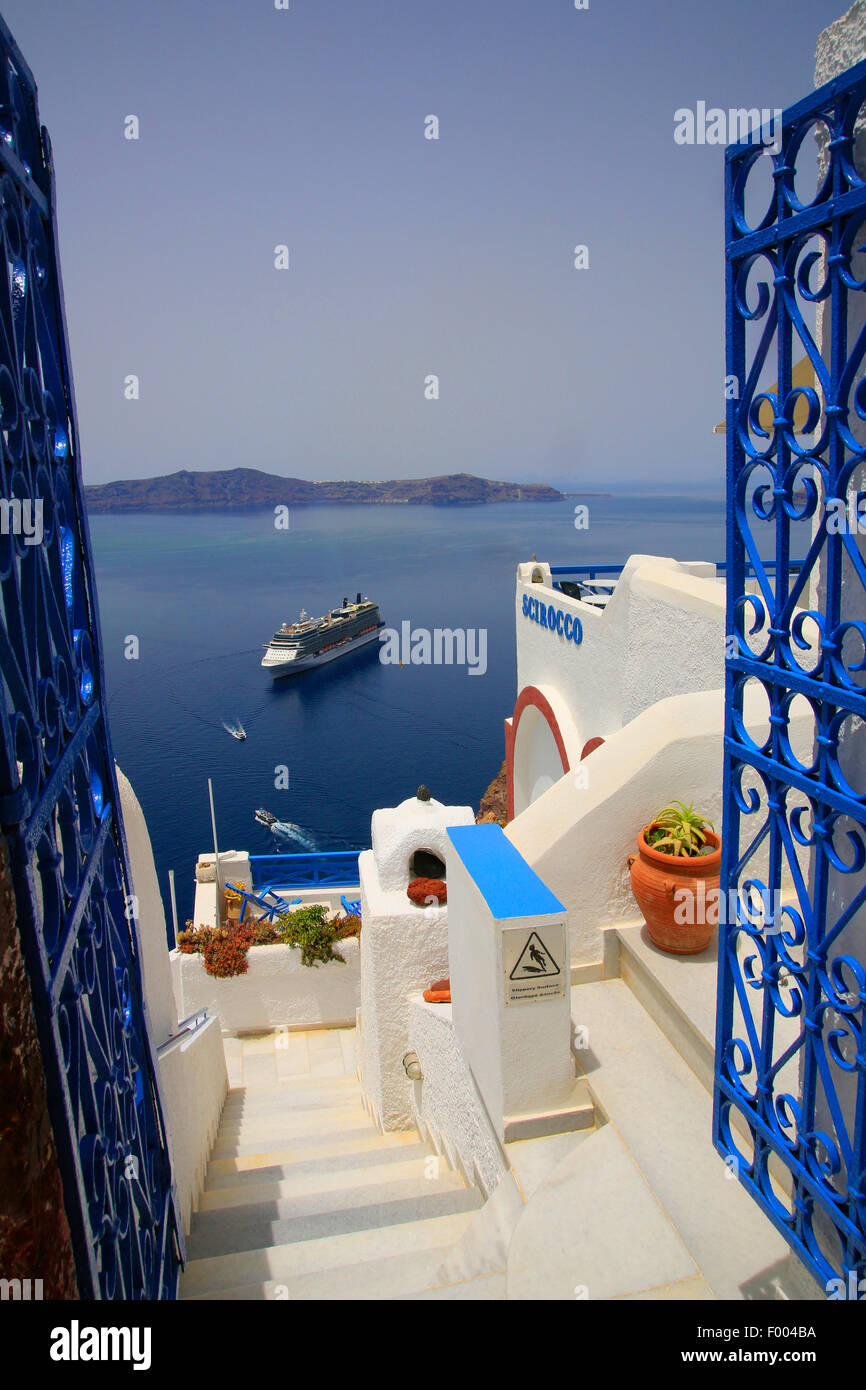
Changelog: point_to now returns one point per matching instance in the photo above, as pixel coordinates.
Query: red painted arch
(530, 695)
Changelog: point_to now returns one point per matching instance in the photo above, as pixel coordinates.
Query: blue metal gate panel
(790, 1085)
(59, 805)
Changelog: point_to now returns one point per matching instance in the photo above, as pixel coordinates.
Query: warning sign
(535, 964)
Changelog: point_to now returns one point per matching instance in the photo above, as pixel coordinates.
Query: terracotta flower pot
(674, 894)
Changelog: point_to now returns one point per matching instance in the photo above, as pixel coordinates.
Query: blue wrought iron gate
(59, 805)
(790, 1085)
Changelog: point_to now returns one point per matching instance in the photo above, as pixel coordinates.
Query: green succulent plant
(679, 829)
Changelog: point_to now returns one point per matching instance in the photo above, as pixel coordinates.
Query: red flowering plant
(349, 925)
(194, 939)
(226, 953)
(223, 949)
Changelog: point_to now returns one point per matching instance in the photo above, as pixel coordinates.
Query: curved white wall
(537, 762)
(192, 1071)
(158, 991)
(578, 835)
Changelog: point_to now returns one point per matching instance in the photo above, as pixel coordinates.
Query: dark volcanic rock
(494, 802)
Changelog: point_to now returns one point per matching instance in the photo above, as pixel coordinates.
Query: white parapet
(405, 946)
(510, 985)
(449, 1111)
(191, 1066)
(278, 990)
(194, 1082)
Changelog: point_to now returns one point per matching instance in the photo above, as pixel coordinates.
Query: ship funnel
(345, 603)
(358, 599)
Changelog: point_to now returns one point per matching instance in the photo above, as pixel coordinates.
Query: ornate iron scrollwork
(59, 805)
(790, 1086)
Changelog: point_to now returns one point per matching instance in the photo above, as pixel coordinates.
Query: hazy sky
(408, 256)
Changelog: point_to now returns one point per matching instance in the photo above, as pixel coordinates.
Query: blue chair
(270, 910)
(351, 908)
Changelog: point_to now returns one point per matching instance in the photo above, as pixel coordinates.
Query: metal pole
(219, 914)
(173, 902)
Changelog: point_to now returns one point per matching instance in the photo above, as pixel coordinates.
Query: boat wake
(236, 730)
(287, 830)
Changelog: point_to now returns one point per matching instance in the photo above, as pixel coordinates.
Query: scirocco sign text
(554, 619)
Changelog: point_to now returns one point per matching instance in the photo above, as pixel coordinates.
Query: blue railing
(589, 574)
(337, 868)
(59, 804)
(790, 1081)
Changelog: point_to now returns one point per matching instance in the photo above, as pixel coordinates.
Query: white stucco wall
(405, 950)
(446, 1104)
(194, 1083)
(519, 1053)
(579, 834)
(662, 633)
(841, 44)
(405, 947)
(159, 994)
(234, 868)
(192, 1071)
(396, 832)
(277, 990)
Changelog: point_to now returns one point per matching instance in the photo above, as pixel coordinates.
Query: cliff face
(240, 488)
(494, 802)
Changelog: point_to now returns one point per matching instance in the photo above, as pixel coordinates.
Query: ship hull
(278, 669)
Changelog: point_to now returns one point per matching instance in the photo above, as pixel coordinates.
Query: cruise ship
(311, 642)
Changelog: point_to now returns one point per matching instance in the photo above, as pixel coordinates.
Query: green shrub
(308, 929)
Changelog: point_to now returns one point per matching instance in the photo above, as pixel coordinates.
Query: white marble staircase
(642, 1206)
(646, 1208)
(305, 1199)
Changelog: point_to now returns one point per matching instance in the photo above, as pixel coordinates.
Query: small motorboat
(265, 817)
(236, 730)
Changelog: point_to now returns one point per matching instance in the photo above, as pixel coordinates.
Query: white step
(291, 1128)
(290, 1097)
(483, 1248)
(594, 1230)
(311, 1164)
(384, 1279)
(356, 1130)
(314, 1180)
(679, 994)
(663, 1115)
(322, 1215)
(357, 1142)
(316, 1257)
(489, 1287)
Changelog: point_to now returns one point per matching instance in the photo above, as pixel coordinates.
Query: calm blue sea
(203, 593)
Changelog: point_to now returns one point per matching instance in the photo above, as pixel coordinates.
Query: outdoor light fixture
(412, 1067)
